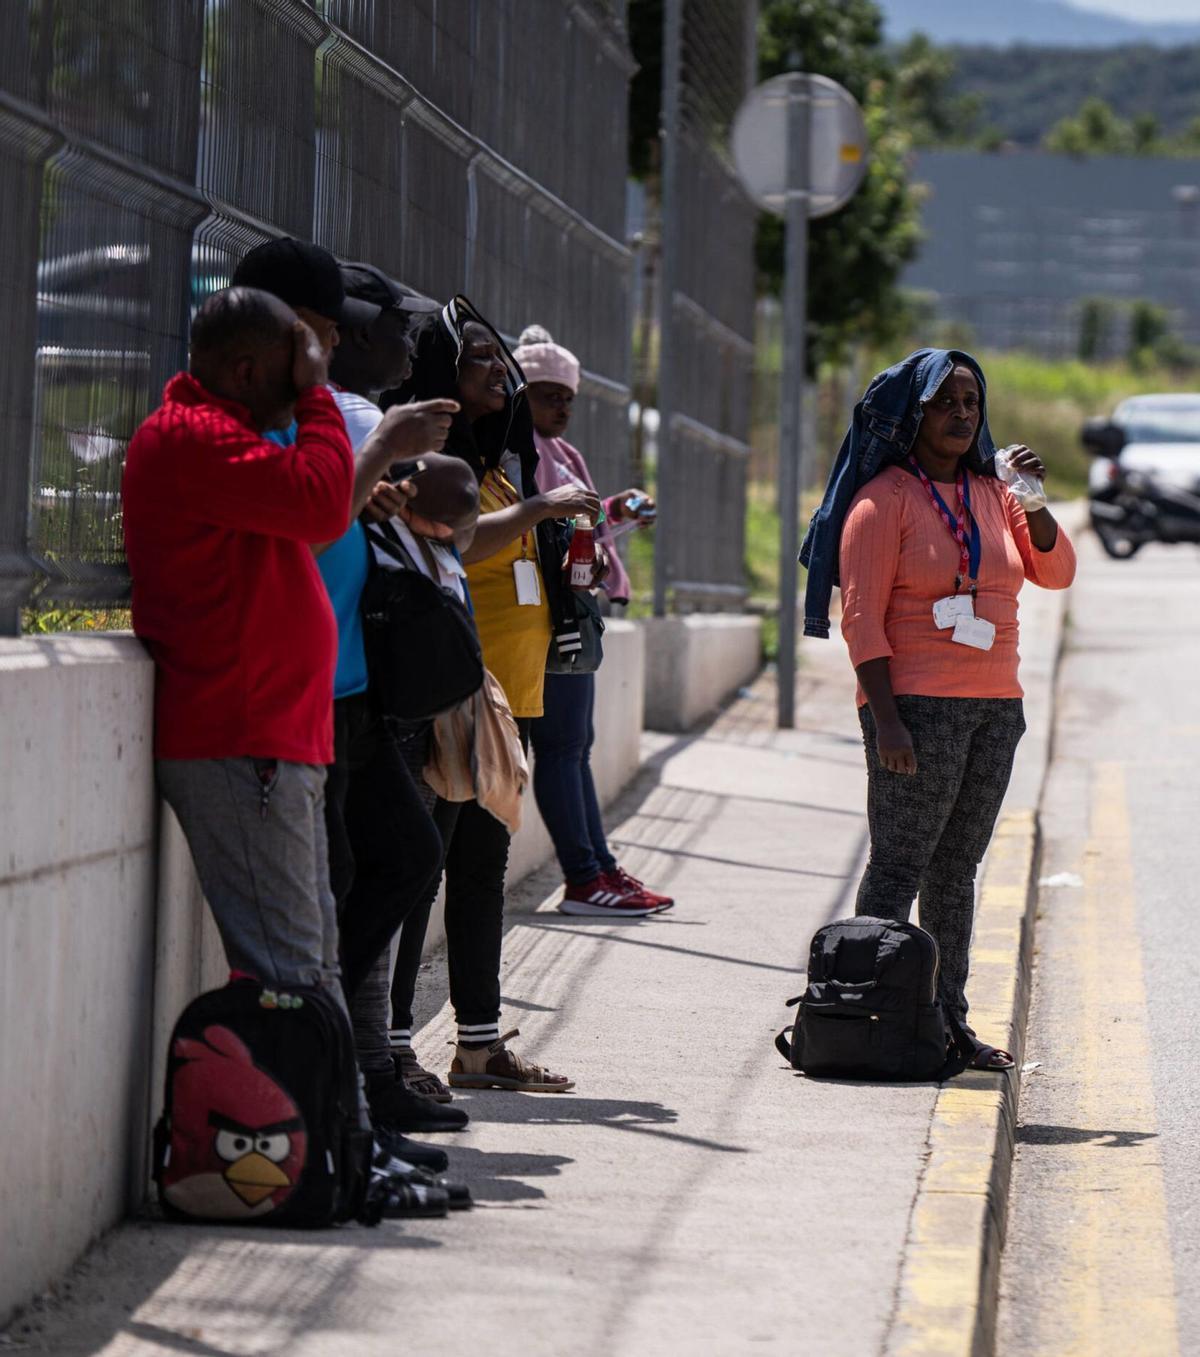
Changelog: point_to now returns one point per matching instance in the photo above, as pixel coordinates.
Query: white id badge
(529, 587)
(974, 631)
(947, 611)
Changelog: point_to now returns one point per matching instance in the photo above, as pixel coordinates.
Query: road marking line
(1114, 1256)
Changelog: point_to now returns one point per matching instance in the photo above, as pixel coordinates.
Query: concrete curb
(949, 1280)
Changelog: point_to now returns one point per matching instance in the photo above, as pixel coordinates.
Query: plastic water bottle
(1029, 490)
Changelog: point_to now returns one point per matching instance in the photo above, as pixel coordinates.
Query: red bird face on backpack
(237, 1139)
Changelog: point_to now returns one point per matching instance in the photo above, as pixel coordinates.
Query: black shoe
(458, 1193)
(394, 1194)
(401, 1109)
(411, 1151)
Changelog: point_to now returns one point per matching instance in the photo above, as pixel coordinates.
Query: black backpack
(871, 1009)
(261, 1115)
(423, 652)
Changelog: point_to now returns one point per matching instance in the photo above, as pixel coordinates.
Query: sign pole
(792, 387)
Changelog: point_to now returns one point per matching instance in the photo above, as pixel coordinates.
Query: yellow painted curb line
(948, 1282)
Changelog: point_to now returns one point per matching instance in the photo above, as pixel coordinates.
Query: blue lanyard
(953, 522)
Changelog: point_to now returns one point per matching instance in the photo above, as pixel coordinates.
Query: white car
(1162, 440)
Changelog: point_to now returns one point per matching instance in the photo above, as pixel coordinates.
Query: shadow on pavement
(1075, 1135)
(616, 1114)
(546, 921)
(495, 1176)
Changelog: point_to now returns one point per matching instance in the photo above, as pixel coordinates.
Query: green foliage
(1097, 130)
(856, 255)
(1025, 93)
(928, 107)
(1094, 130)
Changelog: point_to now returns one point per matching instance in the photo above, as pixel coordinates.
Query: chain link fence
(706, 308)
(461, 145)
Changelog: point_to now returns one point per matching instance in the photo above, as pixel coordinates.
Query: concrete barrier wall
(693, 664)
(104, 935)
(77, 928)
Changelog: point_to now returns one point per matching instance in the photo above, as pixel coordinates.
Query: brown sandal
(495, 1066)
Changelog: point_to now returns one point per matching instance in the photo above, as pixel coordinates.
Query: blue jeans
(562, 777)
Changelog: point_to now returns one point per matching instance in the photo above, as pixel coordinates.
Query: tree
(855, 256)
(1094, 130)
(927, 106)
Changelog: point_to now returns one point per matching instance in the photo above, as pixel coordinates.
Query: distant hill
(1025, 91)
(1042, 23)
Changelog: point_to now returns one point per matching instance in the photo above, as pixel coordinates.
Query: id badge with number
(974, 631)
(529, 586)
(947, 611)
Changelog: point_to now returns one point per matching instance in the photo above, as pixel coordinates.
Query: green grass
(44, 621)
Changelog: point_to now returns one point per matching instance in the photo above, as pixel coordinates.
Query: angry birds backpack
(261, 1120)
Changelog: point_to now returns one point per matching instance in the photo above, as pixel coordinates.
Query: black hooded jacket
(482, 444)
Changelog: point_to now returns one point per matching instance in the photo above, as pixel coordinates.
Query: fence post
(668, 275)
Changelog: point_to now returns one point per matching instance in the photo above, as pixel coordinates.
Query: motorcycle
(1133, 507)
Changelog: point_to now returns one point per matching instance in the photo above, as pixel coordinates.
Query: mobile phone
(406, 471)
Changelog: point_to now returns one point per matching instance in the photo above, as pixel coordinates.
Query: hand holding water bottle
(1025, 475)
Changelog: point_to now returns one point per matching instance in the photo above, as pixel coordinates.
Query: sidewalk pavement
(693, 1195)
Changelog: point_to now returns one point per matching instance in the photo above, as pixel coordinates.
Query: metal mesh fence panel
(707, 309)
(461, 145)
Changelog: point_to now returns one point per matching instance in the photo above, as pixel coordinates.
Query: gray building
(1016, 242)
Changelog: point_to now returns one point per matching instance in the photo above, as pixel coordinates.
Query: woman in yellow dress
(521, 605)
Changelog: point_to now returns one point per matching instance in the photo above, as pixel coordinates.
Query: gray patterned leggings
(930, 830)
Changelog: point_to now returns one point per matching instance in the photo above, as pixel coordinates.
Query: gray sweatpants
(930, 829)
(256, 828)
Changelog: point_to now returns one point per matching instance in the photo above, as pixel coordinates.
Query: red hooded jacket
(226, 592)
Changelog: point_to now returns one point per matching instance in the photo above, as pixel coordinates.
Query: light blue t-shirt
(343, 567)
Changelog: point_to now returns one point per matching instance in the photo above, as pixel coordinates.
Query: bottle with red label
(581, 558)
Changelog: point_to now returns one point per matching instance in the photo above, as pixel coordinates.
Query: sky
(1151, 10)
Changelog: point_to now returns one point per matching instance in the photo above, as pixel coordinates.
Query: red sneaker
(619, 878)
(603, 896)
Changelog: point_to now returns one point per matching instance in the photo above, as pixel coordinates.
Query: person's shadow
(1035, 1134)
(615, 1114)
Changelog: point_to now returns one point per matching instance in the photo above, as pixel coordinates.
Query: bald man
(219, 528)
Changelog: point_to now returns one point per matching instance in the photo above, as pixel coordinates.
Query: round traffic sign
(837, 143)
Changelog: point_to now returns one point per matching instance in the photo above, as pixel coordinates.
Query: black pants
(384, 849)
(930, 830)
(476, 862)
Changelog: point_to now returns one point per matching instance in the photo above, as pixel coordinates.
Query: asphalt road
(1103, 1249)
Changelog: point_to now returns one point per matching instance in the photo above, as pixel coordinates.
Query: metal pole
(668, 274)
(792, 387)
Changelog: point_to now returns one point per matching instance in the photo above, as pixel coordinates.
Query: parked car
(1144, 485)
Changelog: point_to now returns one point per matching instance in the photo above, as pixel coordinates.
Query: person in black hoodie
(522, 605)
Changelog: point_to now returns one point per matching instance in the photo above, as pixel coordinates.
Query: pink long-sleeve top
(898, 558)
(561, 464)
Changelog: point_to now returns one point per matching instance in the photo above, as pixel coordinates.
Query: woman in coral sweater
(933, 555)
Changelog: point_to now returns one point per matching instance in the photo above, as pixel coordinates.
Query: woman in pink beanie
(562, 738)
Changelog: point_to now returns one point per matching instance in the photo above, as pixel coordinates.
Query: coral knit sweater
(898, 557)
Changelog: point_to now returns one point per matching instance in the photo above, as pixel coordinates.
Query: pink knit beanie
(542, 360)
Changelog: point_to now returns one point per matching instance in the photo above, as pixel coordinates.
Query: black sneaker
(400, 1109)
(411, 1151)
(394, 1194)
(458, 1193)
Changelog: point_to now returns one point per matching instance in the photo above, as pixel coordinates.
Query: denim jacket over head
(881, 433)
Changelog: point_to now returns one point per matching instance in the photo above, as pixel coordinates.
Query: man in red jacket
(219, 526)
